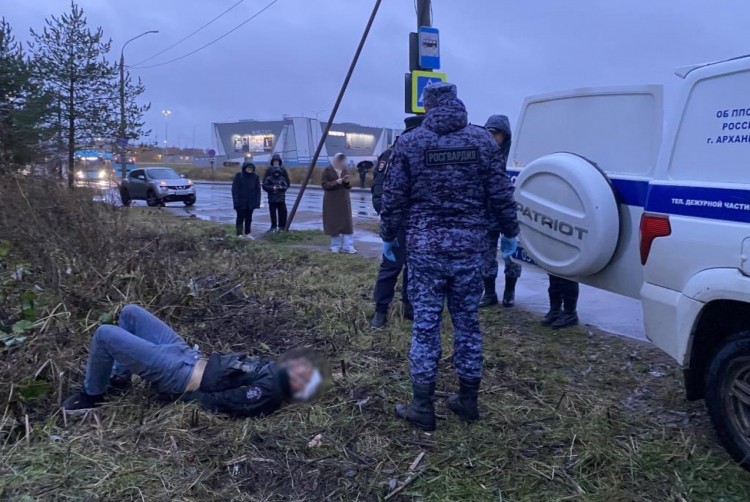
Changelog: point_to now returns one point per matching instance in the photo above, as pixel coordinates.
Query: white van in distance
(610, 197)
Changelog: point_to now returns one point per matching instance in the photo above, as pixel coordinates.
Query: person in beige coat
(337, 206)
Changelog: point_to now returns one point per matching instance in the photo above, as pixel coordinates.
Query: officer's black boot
(555, 311)
(464, 404)
(569, 315)
(509, 295)
(421, 411)
(490, 295)
(379, 320)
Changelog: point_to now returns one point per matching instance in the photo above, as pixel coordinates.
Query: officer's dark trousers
(278, 214)
(362, 179)
(433, 280)
(489, 260)
(385, 285)
(562, 292)
(244, 221)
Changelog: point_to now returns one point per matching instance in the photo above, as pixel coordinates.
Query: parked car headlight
(102, 174)
(80, 175)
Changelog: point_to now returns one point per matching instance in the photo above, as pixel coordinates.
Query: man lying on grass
(239, 385)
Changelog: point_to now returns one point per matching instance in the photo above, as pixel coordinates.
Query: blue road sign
(420, 80)
(429, 48)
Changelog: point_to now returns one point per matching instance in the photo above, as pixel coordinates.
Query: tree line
(60, 92)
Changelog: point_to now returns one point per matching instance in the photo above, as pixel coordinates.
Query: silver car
(157, 186)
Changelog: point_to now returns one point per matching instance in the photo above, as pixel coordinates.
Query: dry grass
(575, 415)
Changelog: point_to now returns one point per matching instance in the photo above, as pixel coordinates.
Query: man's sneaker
(80, 402)
(379, 320)
(273, 230)
(551, 317)
(349, 251)
(335, 250)
(249, 237)
(564, 320)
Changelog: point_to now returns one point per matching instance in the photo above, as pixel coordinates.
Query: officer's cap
(437, 92)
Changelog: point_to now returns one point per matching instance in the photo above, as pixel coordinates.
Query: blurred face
(275, 163)
(339, 162)
(499, 137)
(299, 371)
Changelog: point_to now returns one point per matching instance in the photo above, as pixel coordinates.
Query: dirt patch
(575, 414)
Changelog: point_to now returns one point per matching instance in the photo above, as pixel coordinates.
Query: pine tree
(23, 106)
(71, 60)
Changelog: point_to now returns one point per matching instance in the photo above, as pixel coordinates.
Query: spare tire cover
(568, 215)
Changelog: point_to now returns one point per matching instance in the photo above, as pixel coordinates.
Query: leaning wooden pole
(335, 109)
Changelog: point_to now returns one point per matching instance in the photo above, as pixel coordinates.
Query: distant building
(296, 138)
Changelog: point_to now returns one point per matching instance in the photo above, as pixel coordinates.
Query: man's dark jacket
(241, 386)
(246, 190)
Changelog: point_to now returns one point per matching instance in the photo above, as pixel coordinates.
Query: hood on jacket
(276, 156)
(446, 113)
(248, 168)
(500, 123)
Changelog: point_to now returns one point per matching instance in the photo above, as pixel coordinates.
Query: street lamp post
(123, 128)
(166, 114)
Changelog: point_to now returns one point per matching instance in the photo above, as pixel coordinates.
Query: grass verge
(571, 415)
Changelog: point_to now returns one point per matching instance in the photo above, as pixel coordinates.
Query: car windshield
(163, 174)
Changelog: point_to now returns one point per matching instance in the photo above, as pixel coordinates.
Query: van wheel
(728, 396)
(151, 199)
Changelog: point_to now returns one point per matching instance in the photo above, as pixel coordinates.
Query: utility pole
(122, 139)
(424, 13)
(332, 117)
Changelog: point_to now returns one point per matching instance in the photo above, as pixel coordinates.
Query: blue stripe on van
(727, 204)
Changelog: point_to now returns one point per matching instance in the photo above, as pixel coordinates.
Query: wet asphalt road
(609, 312)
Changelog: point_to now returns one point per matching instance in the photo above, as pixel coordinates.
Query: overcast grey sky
(292, 59)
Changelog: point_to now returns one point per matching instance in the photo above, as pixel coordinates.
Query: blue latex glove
(388, 249)
(508, 246)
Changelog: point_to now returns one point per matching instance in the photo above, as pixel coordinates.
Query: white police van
(610, 197)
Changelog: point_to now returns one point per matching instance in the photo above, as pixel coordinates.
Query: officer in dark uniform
(444, 183)
(390, 267)
(499, 127)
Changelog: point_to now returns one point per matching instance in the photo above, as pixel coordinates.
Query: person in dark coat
(499, 127)
(337, 206)
(276, 184)
(385, 284)
(246, 198)
(277, 162)
(235, 384)
(444, 183)
(363, 167)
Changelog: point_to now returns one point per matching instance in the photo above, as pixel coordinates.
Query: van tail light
(652, 226)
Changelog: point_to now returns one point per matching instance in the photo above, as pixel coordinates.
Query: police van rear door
(582, 161)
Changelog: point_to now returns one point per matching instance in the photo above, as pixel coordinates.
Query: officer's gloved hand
(508, 246)
(388, 249)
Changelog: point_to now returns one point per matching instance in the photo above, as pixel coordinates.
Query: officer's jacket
(445, 182)
(241, 386)
(378, 178)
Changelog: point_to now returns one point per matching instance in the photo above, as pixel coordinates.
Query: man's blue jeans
(141, 344)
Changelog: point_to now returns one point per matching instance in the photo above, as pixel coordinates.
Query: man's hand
(339, 181)
(508, 246)
(388, 249)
